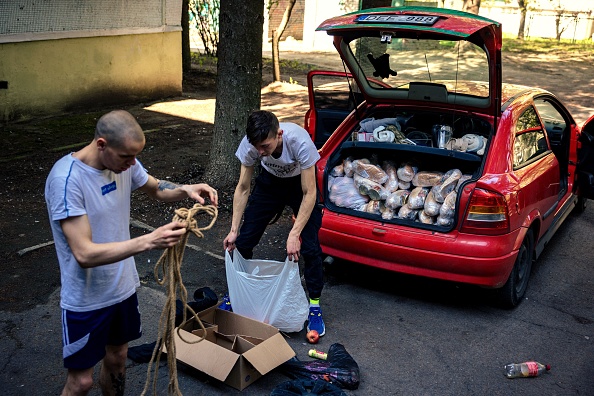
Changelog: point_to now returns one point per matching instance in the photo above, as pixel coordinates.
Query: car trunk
(437, 171)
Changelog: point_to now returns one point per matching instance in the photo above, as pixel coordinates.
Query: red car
(430, 165)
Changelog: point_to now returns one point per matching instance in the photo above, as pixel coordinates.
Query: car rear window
(394, 63)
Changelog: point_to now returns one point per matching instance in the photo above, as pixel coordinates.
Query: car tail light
(486, 214)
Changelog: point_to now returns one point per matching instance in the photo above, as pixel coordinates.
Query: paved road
(410, 336)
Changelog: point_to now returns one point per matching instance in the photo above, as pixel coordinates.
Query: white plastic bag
(267, 290)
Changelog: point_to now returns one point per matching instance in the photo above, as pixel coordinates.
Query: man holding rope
(88, 199)
(287, 177)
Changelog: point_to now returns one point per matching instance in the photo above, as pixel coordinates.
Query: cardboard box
(237, 350)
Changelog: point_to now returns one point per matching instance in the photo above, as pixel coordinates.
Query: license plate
(398, 19)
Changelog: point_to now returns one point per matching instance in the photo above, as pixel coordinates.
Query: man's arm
(90, 254)
(240, 198)
(308, 186)
(167, 191)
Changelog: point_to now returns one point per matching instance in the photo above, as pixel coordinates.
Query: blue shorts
(86, 334)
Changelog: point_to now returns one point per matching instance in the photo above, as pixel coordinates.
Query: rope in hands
(169, 265)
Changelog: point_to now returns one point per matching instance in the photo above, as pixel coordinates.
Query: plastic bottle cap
(548, 367)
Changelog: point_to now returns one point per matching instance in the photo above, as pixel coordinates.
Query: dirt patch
(178, 132)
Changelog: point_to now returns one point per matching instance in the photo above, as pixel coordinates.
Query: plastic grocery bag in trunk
(266, 290)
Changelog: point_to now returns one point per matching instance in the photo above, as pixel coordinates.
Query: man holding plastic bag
(287, 155)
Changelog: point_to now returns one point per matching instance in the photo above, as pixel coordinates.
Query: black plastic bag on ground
(301, 387)
(339, 368)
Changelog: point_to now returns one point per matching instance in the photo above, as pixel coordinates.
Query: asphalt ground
(409, 336)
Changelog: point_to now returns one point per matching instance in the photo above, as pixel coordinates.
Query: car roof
(426, 23)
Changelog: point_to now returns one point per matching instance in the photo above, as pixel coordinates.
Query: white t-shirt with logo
(299, 152)
(74, 189)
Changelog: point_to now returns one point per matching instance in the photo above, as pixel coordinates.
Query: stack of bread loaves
(403, 192)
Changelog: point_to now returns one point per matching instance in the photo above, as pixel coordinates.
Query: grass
(544, 45)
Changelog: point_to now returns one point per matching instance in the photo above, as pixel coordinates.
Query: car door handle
(379, 231)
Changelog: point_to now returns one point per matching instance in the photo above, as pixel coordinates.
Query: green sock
(314, 302)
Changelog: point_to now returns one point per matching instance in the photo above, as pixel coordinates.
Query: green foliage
(204, 14)
(543, 45)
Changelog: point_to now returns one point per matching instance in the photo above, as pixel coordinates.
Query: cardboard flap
(207, 357)
(269, 354)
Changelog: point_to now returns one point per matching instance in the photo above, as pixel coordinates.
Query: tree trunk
(239, 79)
(276, 36)
(185, 23)
(472, 6)
(523, 8)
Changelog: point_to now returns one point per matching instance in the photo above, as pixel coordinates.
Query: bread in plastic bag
(370, 171)
(392, 183)
(268, 291)
(425, 218)
(387, 213)
(337, 171)
(406, 172)
(444, 221)
(431, 206)
(347, 165)
(416, 199)
(373, 207)
(427, 179)
(450, 180)
(345, 194)
(370, 188)
(397, 199)
(402, 185)
(448, 207)
(407, 213)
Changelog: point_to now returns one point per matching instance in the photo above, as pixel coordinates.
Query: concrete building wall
(58, 55)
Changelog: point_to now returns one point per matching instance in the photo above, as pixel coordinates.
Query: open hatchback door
(416, 56)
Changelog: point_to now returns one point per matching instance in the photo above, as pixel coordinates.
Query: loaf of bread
(370, 188)
(397, 199)
(373, 207)
(337, 171)
(347, 164)
(387, 213)
(407, 213)
(450, 181)
(425, 218)
(431, 207)
(370, 171)
(392, 184)
(416, 199)
(448, 207)
(427, 179)
(406, 172)
(444, 221)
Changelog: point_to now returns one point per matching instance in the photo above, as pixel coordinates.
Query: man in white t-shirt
(88, 199)
(288, 157)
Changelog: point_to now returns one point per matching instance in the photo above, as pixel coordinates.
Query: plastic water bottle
(526, 369)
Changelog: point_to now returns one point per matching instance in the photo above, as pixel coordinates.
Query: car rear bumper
(481, 260)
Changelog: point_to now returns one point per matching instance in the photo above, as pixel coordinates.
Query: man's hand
(293, 247)
(198, 191)
(167, 236)
(229, 242)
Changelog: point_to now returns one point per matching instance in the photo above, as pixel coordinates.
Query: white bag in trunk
(267, 290)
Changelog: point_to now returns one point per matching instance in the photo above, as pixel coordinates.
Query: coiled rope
(169, 265)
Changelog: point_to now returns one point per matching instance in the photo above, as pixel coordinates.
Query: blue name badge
(106, 189)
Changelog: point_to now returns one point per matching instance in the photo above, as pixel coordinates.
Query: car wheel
(512, 293)
(580, 206)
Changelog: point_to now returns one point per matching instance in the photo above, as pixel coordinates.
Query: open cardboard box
(237, 350)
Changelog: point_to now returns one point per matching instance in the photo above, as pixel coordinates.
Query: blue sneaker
(226, 304)
(315, 321)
